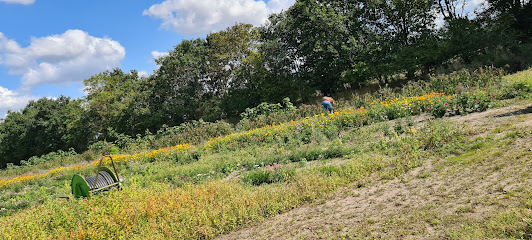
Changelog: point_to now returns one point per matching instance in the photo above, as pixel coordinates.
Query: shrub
(477, 101)
(519, 88)
(270, 174)
(189, 132)
(440, 107)
(48, 157)
(265, 109)
(465, 80)
(279, 117)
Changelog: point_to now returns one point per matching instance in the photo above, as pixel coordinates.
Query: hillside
(482, 193)
(312, 49)
(411, 163)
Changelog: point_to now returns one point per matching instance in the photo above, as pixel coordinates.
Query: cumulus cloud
(10, 100)
(58, 59)
(279, 5)
(157, 55)
(25, 2)
(197, 17)
(143, 74)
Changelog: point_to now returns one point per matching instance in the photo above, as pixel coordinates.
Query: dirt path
(424, 202)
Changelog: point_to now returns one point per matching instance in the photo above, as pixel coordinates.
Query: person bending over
(327, 103)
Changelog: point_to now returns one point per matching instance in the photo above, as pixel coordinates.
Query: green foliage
(464, 81)
(43, 126)
(226, 51)
(477, 101)
(102, 146)
(114, 103)
(113, 151)
(265, 109)
(262, 109)
(189, 132)
(279, 117)
(399, 127)
(519, 86)
(176, 92)
(271, 174)
(440, 136)
(52, 156)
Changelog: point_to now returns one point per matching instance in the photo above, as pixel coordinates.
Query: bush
(440, 107)
(477, 101)
(279, 117)
(520, 88)
(101, 147)
(466, 80)
(265, 109)
(190, 132)
(271, 174)
(48, 157)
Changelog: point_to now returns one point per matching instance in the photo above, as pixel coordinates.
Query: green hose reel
(104, 180)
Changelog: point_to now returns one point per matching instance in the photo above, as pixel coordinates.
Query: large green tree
(315, 36)
(518, 14)
(115, 103)
(43, 126)
(179, 85)
(408, 26)
(227, 53)
(276, 66)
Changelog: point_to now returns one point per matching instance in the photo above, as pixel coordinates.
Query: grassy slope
(483, 191)
(204, 198)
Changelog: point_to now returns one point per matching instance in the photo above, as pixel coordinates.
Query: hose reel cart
(104, 180)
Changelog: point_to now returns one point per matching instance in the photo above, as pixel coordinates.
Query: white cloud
(279, 5)
(10, 100)
(143, 74)
(58, 59)
(25, 2)
(157, 55)
(471, 5)
(197, 17)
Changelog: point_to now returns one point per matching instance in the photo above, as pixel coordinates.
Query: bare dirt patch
(426, 202)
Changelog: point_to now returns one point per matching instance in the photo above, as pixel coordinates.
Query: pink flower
(446, 104)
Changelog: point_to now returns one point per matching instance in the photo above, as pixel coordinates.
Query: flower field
(201, 190)
(336, 122)
(160, 153)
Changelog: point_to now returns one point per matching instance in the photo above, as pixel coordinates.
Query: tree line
(315, 46)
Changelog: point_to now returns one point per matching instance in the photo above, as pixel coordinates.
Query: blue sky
(47, 48)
